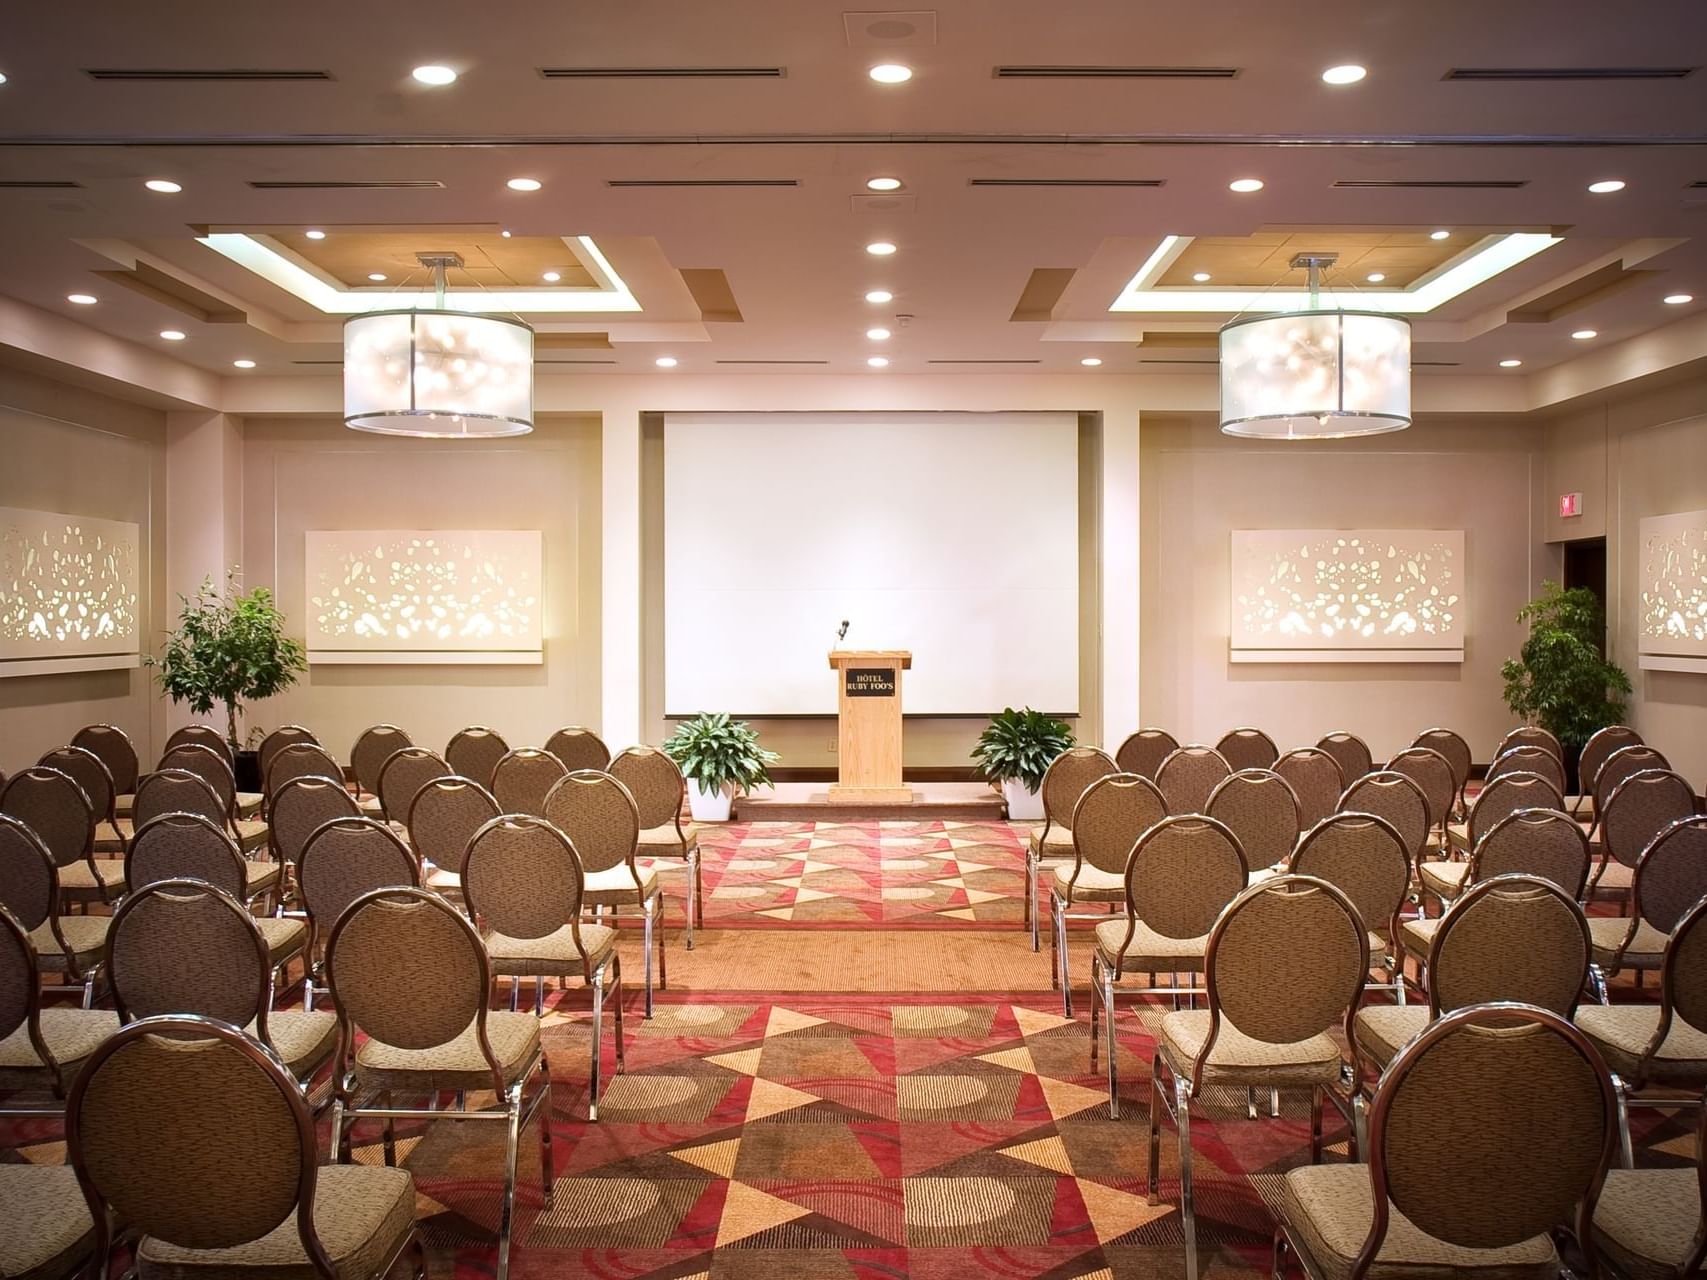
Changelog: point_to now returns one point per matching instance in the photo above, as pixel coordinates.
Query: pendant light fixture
(1316, 374)
(441, 374)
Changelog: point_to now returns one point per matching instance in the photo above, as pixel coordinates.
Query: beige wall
(65, 449)
(302, 474)
(1198, 485)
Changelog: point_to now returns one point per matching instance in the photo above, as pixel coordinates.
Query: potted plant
(1014, 750)
(1562, 680)
(720, 758)
(229, 648)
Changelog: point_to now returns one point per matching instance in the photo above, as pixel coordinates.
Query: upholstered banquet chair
(1668, 879)
(656, 783)
(341, 861)
(300, 760)
(474, 752)
(1143, 752)
(1621, 764)
(1599, 747)
(578, 748)
(67, 945)
(524, 777)
(1433, 773)
(1350, 751)
(1064, 781)
(1395, 797)
(1316, 779)
(1531, 735)
(40, 1049)
(1456, 752)
(214, 769)
(113, 746)
(48, 1233)
(51, 804)
(1444, 877)
(180, 793)
(1364, 857)
(373, 747)
(402, 776)
(1527, 757)
(443, 818)
(1262, 810)
(276, 741)
(86, 769)
(294, 812)
(1633, 813)
(247, 803)
(1648, 1223)
(1247, 748)
(1189, 775)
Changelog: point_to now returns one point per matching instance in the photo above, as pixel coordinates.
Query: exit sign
(1570, 504)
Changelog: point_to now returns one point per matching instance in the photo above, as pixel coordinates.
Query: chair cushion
(249, 803)
(1057, 844)
(1264, 873)
(1330, 1207)
(1381, 1030)
(553, 954)
(285, 936)
(446, 882)
(1622, 1031)
(362, 1215)
(111, 837)
(77, 881)
(663, 840)
(1646, 1220)
(46, 1232)
(122, 805)
(1606, 934)
(1458, 836)
(1238, 1059)
(303, 1040)
(1149, 951)
(258, 877)
(85, 938)
(71, 1035)
(1615, 881)
(457, 1064)
(1445, 879)
(1418, 935)
(614, 886)
(251, 834)
(1092, 885)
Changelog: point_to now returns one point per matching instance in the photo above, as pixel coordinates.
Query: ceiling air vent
(1694, 186)
(1502, 74)
(773, 362)
(1115, 73)
(1434, 184)
(983, 362)
(375, 184)
(703, 182)
(42, 184)
(201, 75)
(1066, 182)
(663, 73)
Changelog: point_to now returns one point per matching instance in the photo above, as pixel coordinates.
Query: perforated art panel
(1671, 571)
(68, 586)
(423, 596)
(1378, 595)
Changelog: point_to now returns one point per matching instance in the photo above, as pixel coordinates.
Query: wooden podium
(868, 734)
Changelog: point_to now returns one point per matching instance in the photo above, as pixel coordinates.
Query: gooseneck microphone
(842, 632)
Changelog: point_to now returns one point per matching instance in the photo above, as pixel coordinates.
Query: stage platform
(810, 802)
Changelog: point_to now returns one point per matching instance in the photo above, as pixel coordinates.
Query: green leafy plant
(715, 751)
(229, 647)
(1020, 744)
(1563, 681)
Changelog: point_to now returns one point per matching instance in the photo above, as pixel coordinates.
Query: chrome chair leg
(692, 892)
(646, 916)
(547, 1174)
(539, 993)
(599, 993)
(1188, 1207)
(507, 1215)
(616, 989)
(1277, 1264)
(1096, 995)
(1251, 1103)
(1031, 898)
(1153, 1169)
(663, 941)
(1108, 1031)
(1316, 1125)
(1626, 1152)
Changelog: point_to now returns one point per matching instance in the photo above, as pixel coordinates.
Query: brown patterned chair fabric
(177, 791)
(1188, 775)
(1528, 758)
(137, 1130)
(1113, 813)
(373, 748)
(1180, 877)
(185, 846)
(1670, 878)
(474, 752)
(40, 1049)
(524, 777)
(1247, 748)
(1531, 735)
(1639, 808)
(29, 888)
(655, 781)
(86, 769)
(1433, 773)
(1065, 780)
(208, 765)
(1529, 1158)
(1505, 795)
(1261, 809)
(1395, 797)
(1364, 857)
(1621, 764)
(277, 741)
(300, 806)
(522, 881)
(1316, 779)
(300, 760)
(599, 816)
(443, 818)
(205, 735)
(47, 1233)
(1648, 1223)
(1455, 751)
(1143, 752)
(1599, 747)
(52, 805)
(579, 748)
(406, 771)
(1510, 937)
(1351, 751)
(114, 748)
(1664, 1044)
(1545, 843)
(347, 858)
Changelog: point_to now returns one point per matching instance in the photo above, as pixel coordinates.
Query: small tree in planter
(1013, 752)
(228, 648)
(720, 758)
(1562, 681)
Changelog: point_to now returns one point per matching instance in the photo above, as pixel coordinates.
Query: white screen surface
(953, 535)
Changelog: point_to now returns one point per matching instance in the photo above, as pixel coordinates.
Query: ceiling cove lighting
(1245, 185)
(165, 186)
(441, 374)
(1606, 186)
(878, 334)
(883, 184)
(524, 184)
(434, 75)
(1315, 374)
(880, 295)
(891, 73)
(1350, 73)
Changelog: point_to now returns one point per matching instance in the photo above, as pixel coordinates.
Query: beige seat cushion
(111, 837)
(1445, 879)
(46, 1231)
(459, 1064)
(1646, 1220)
(555, 953)
(614, 886)
(1057, 844)
(370, 806)
(1615, 881)
(1458, 836)
(71, 1035)
(1330, 1207)
(77, 881)
(1622, 1031)
(1418, 936)
(1149, 951)
(249, 803)
(85, 937)
(1607, 933)
(1092, 885)
(446, 882)
(663, 840)
(1238, 1059)
(303, 1040)
(251, 834)
(285, 936)
(122, 805)
(1381, 1030)
(362, 1215)
(258, 877)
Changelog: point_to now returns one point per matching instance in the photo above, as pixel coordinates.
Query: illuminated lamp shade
(1316, 375)
(440, 374)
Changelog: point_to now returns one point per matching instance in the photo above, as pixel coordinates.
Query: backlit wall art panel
(68, 593)
(418, 596)
(1339, 595)
(1671, 570)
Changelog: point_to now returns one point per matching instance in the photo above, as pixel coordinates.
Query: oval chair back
(578, 748)
(1455, 751)
(114, 748)
(1600, 745)
(1398, 799)
(1065, 780)
(51, 804)
(1531, 735)
(85, 768)
(654, 781)
(521, 878)
(1639, 808)
(301, 806)
(300, 760)
(1350, 752)
(444, 816)
(405, 772)
(1189, 775)
(1507, 794)
(1541, 843)
(1261, 809)
(202, 735)
(184, 846)
(1143, 752)
(1433, 773)
(1621, 764)
(277, 741)
(1365, 858)
(29, 878)
(345, 859)
(20, 978)
(372, 749)
(1529, 758)
(1672, 876)
(167, 791)
(598, 814)
(162, 925)
(1247, 748)
(1115, 811)
(523, 778)
(1511, 937)
(474, 752)
(208, 765)
(1182, 874)
(1316, 779)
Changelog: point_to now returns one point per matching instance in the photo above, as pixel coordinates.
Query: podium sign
(868, 731)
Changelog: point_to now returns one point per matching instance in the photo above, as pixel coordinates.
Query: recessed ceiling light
(552, 277)
(878, 334)
(434, 75)
(891, 73)
(1375, 277)
(883, 184)
(665, 362)
(1245, 184)
(1350, 73)
(1090, 362)
(82, 299)
(1510, 364)
(1678, 299)
(1202, 277)
(1438, 235)
(880, 295)
(1606, 186)
(877, 362)
(880, 249)
(172, 335)
(2, 79)
(315, 235)
(1583, 335)
(505, 234)
(523, 184)
(376, 276)
(242, 364)
(165, 186)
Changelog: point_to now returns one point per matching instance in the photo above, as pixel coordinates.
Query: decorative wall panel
(1347, 595)
(68, 592)
(1671, 568)
(419, 596)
